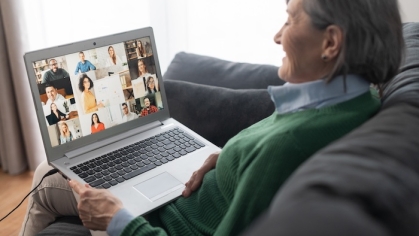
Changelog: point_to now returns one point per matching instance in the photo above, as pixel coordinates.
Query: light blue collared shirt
(296, 97)
(119, 221)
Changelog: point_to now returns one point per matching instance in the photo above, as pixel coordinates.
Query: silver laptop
(104, 119)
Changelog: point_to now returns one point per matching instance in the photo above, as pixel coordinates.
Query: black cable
(51, 172)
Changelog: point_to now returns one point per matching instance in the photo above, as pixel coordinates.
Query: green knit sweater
(252, 167)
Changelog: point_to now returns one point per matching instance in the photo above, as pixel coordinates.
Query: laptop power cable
(51, 172)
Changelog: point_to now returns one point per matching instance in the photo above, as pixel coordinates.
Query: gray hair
(373, 44)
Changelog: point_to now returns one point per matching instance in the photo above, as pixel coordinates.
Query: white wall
(409, 10)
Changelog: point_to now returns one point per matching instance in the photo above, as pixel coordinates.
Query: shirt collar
(294, 97)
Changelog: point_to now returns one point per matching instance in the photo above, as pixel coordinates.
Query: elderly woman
(332, 58)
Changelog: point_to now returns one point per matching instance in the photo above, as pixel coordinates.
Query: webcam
(94, 43)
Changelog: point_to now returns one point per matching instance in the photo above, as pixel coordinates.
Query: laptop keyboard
(125, 163)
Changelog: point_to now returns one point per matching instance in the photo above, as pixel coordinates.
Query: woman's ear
(332, 43)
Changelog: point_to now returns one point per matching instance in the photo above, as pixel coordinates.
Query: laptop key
(107, 178)
(113, 182)
(106, 185)
(98, 175)
(90, 172)
(125, 164)
(190, 149)
(139, 171)
(120, 179)
(77, 171)
(164, 160)
(199, 143)
(83, 175)
(158, 163)
(89, 179)
(183, 152)
(176, 155)
(97, 182)
(114, 175)
(134, 167)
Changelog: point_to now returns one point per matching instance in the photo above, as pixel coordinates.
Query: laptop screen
(89, 91)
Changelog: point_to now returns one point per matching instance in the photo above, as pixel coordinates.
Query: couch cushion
(216, 72)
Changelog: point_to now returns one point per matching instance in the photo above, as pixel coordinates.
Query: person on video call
(113, 59)
(140, 49)
(83, 65)
(332, 57)
(127, 114)
(65, 133)
(54, 73)
(143, 73)
(151, 85)
(56, 115)
(88, 99)
(52, 94)
(96, 124)
(148, 108)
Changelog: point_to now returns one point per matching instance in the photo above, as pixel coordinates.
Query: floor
(12, 190)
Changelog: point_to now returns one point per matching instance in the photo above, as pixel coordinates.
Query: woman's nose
(277, 37)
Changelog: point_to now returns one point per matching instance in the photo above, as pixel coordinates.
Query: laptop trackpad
(159, 186)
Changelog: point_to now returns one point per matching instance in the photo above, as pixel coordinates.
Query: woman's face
(141, 67)
(64, 128)
(94, 118)
(53, 107)
(110, 51)
(151, 84)
(302, 44)
(86, 84)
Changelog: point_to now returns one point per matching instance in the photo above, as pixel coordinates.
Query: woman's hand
(96, 207)
(100, 105)
(197, 176)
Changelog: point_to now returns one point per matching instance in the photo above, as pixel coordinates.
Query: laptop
(104, 118)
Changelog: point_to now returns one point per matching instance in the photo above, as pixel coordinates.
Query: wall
(409, 10)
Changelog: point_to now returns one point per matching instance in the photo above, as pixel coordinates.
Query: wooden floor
(12, 190)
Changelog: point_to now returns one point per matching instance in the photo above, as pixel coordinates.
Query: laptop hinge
(103, 142)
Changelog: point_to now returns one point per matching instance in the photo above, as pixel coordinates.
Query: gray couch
(366, 183)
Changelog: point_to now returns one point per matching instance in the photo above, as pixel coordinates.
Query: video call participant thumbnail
(127, 115)
(54, 73)
(52, 94)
